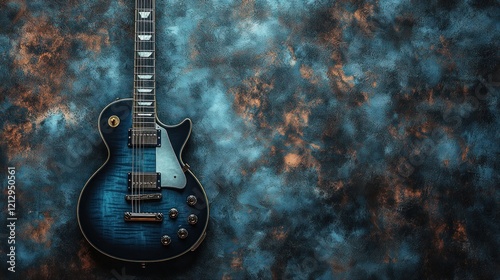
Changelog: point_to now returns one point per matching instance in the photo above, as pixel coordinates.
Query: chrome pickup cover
(144, 181)
(144, 138)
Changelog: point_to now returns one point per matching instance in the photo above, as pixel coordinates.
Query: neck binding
(144, 111)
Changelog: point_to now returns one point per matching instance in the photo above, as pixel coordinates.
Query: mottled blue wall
(335, 139)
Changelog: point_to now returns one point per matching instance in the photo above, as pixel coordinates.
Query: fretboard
(144, 65)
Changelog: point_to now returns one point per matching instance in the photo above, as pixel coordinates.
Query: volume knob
(191, 200)
(173, 213)
(182, 233)
(165, 240)
(192, 219)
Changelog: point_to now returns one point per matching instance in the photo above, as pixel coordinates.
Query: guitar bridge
(143, 217)
(144, 180)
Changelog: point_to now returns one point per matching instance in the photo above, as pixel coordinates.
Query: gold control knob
(192, 219)
(191, 200)
(166, 240)
(182, 233)
(173, 213)
(114, 121)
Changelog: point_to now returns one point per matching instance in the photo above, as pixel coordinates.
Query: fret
(146, 73)
(145, 108)
(144, 98)
(144, 26)
(144, 84)
(144, 46)
(143, 63)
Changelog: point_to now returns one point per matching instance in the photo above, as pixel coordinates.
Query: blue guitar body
(120, 216)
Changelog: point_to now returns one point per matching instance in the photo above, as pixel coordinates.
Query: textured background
(335, 139)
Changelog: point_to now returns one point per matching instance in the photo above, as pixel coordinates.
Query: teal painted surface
(335, 139)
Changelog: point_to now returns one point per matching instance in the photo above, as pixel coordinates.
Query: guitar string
(143, 126)
(132, 140)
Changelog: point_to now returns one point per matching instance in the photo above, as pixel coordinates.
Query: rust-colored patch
(292, 160)
(342, 81)
(307, 73)
(460, 233)
(14, 136)
(40, 230)
(295, 119)
(237, 261)
(86, 261)
(338, 267)
(279, 234)
(94, 42)
(439, 230)
(42, 55)
(41, 272)
(430, 99)
(465, 152)
(42, 52)
(362, 16)
(251, 97)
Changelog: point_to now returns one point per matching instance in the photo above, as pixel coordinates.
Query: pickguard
(167, 164)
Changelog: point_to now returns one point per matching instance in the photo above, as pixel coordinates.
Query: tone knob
(182, 233)
(191, 200)
(165, 240)
(192, 219)
(173, 213)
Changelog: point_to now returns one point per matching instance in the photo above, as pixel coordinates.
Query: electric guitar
(144, 204)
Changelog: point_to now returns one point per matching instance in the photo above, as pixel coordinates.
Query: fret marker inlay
(144, 54)
(145, 77)
(144, 37)
(144, 89)
(144, 14)
(145, 103)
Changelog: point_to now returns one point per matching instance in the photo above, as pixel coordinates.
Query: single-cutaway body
(127, 212)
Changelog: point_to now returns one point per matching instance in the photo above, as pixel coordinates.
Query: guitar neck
(144, 65)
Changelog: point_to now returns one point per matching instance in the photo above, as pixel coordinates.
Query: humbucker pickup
(144, 181)
(143, 197)
(142, 217)
(144, 138)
